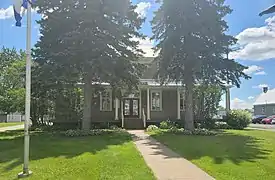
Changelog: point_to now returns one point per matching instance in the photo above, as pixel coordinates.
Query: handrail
(144, 117)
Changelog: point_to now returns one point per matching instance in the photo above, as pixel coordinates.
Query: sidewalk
(10, 128)
(264, 127)
(166, 164)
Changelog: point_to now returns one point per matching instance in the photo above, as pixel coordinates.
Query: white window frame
(110, 100)
(160, 101)
(263, 110)
(182, 100)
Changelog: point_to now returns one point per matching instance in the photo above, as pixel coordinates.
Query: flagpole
(26, 171)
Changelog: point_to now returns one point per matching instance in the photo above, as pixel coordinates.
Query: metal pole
(26, 171)
(265, 108)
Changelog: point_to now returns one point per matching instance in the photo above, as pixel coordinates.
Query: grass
(10, 124)
(233, 155)
(108, 157)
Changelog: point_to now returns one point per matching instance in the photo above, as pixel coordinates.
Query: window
(106, 101)
(263, 110)
(273, 110)
(182, 105)
(156, 100)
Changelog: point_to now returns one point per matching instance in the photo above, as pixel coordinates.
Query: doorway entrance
(131, 107)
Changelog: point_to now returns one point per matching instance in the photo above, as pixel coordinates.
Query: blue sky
(256, 36)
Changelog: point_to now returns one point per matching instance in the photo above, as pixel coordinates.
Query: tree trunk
(34, 112)
(189, 114)
(202, 107)
(87, 110)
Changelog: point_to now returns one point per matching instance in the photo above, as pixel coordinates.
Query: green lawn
(106, 157)
(10, 124)
(234, 155)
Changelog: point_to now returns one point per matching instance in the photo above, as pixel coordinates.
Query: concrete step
(133, 123)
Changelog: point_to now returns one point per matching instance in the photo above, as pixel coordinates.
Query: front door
(131, 107)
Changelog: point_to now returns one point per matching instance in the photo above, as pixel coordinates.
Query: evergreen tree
(88, 41)
(192, 44)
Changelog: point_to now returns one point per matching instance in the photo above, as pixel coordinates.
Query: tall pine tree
(192, 46)
(89, 40)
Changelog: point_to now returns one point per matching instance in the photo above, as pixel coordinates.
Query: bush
(94, 132)
(196, 132)
(167, 125)
(208, 124)
(152, 128)
(114, 127)
(238, 119)
(222, 125)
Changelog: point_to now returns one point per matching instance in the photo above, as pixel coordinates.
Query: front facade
(265, 104)
(264, 109)
(150, 104)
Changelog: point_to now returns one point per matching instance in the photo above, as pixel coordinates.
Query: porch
(151, 104)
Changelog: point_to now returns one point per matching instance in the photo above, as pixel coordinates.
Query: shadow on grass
(46, 145)
(225, 146)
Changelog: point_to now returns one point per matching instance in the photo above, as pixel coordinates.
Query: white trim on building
(106, 101)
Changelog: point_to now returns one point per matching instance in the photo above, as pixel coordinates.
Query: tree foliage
(85, 41)
(193, 45)
(91, 38)
(12, 79)
(206, 101)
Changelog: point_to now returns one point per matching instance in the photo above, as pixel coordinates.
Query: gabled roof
(152, 82)
(266, 98)
(146, 60)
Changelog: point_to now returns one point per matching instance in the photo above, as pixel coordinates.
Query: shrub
(167, 125)
(208, 123)
(94, 132)
(114, 127)
(222, 125)
(196, 132)
(238, 119)
(175, 130)
(152, 128)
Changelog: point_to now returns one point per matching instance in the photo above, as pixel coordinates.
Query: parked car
(268, 120)
(258, 118)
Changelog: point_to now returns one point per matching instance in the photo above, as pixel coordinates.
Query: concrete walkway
(166, 164)
(11, 128)
(264, 127)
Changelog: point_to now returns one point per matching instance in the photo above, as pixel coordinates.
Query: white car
(273, 121)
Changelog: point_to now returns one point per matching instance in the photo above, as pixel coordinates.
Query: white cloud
(252, 69)
(257, 43)
(240, 104)
(146, 45)
(261, 73)
(142, 8)
(250, 97)
(260, 86)
(6, 13)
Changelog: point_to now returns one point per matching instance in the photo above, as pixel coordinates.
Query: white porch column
(227, 99)
(178, 102)
(122, 114)
(140, 108)
(116, 110)
(148, 104)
